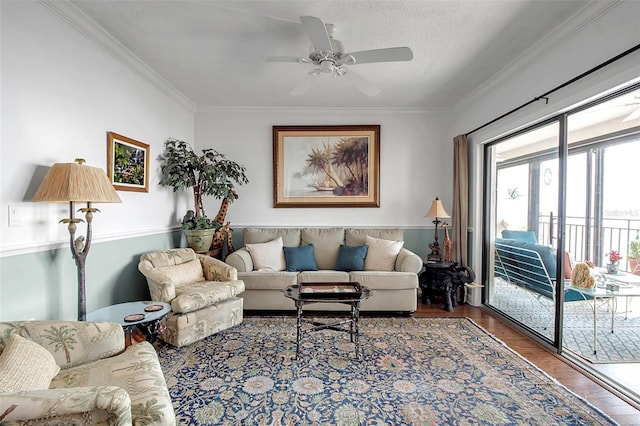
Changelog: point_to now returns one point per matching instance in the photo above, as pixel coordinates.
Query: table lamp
(75, 182)
(437, 211)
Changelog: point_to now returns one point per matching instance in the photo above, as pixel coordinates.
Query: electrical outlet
(15, 215)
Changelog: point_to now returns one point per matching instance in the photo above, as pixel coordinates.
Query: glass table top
(130, 313)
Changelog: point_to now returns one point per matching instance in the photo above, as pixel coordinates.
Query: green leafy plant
(634, 247)
(200, 222)
(210, 173)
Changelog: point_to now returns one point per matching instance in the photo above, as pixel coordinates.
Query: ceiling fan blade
(362, 84)
(390, 54)
(305, 84)
(317, 32)
(283, 59)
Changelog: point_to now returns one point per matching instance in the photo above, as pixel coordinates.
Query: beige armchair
(202, 292)
(70, 372)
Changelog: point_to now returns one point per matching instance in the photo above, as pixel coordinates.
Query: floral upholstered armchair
(203, 293)
(79, 373)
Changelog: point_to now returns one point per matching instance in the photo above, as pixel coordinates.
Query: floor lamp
(437, 210)
(71, 183)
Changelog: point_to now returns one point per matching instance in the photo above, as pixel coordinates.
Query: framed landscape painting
(326, 166)
(127, 163)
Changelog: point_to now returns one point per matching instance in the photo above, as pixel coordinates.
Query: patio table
(629, 286)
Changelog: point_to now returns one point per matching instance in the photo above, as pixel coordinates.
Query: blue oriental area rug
(414, 371)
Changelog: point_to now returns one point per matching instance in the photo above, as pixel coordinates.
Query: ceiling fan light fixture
(327, 67)
(329, 57)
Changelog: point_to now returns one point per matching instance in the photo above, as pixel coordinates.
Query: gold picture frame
(326, 166)
(127, 163)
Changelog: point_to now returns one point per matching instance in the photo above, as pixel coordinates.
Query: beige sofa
(79, 373)
(395, 287)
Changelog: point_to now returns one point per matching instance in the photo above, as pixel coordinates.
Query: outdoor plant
(210, 173)
(614, 256)
(634, 247)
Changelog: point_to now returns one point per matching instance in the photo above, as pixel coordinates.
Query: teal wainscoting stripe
(43, 285)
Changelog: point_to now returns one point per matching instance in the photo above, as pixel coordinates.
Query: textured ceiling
(214, 52)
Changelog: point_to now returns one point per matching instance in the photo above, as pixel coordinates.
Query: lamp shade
(437, 210)
(67, 182)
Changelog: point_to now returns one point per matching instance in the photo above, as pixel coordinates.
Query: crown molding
(78, 20)
(582, 19)
(312, 110)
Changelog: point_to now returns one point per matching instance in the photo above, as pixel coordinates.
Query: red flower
(614, 256)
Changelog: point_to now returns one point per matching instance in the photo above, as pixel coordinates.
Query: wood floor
(621, 411)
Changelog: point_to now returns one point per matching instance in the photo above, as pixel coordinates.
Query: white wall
(61, 93)
(587, 44)
(416, 164)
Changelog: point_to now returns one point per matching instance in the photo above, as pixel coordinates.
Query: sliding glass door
(560, 193)
(523, 207)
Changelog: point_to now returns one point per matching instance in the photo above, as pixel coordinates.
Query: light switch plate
(15, 215)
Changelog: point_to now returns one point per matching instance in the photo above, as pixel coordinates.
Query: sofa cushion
(525, 236)
(357, 236)
(290, 236)
(26, 366)
(382, 254)
(300, 258)
(205, 293)
(267, 256)
(546, 254)
(326, 242)
(351, 258)
(183, 273)
(268, 280)
(323, 276)
(383, 280)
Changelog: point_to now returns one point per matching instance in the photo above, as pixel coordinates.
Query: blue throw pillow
(300, 258)
(525, 236)
(351, 258)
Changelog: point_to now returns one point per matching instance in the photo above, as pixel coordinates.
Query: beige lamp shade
(67, 182)
(437, 210)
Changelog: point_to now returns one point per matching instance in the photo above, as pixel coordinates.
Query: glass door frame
(489, 172)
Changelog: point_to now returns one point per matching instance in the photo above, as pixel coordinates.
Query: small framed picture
(127, 163)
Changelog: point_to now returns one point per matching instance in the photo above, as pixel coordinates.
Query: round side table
(140, 320)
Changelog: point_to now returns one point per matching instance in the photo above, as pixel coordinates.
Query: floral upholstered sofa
(274, 258)
(79, 373)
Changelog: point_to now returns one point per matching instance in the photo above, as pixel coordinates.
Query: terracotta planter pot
(634, 266)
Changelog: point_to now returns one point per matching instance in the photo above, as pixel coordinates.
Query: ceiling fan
(328, 56)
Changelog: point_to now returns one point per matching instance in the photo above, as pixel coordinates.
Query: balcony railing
(594, 241)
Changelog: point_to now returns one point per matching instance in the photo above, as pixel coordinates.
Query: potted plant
(614, 262)
(634, 255)
(210, 173)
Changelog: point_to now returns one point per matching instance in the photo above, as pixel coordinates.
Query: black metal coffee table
(348, 325)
